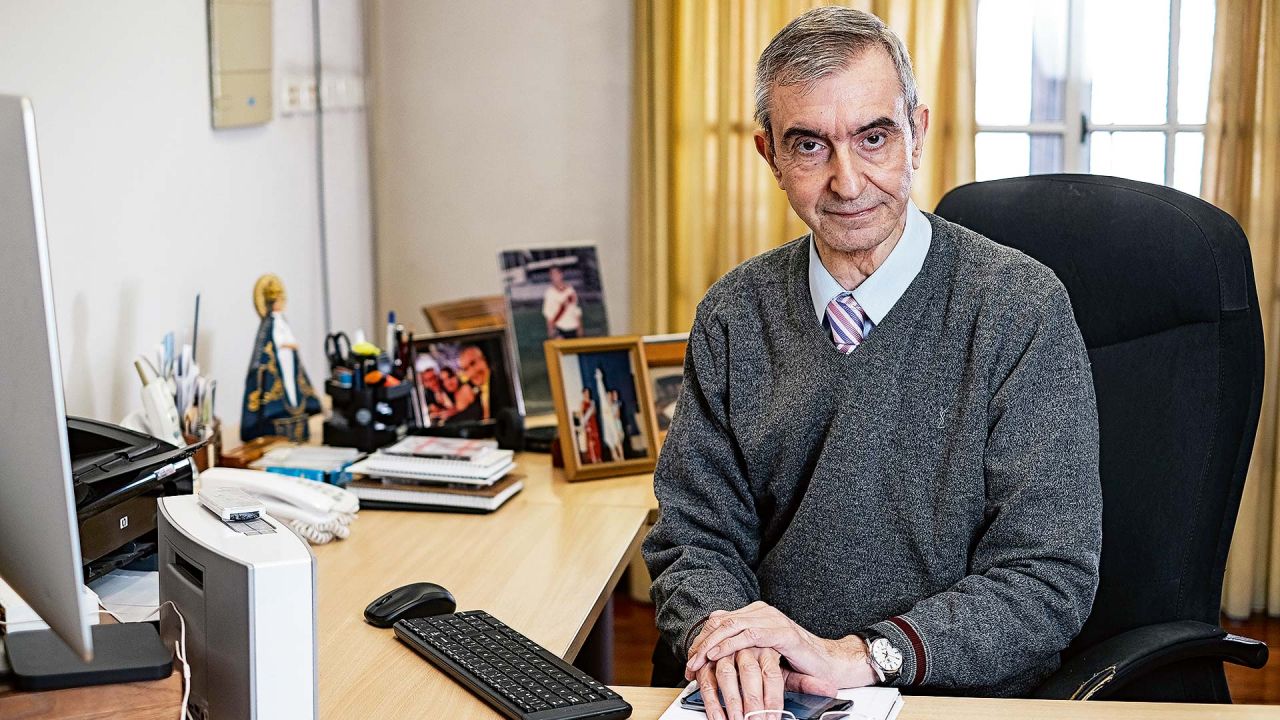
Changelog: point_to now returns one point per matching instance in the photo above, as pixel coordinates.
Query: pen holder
(368, 417)
(208, 455)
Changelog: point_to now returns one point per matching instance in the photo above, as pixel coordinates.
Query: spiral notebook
(484, 452)
(436, 497)
(431, 469)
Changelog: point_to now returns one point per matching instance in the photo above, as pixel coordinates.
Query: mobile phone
(803, 706)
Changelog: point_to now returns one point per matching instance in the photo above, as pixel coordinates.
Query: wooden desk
(151, 700)
(545, 484)
(650, 703)
(545, 564)
(154, 700)
(546, 569)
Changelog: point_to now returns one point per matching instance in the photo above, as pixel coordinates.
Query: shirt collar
(879, 292)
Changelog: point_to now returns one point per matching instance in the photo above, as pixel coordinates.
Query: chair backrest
(1162, 287)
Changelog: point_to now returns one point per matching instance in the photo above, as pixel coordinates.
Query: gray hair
(821, 42)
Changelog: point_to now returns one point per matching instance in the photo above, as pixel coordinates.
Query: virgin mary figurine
(278, 397)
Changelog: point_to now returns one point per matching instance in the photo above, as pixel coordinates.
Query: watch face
(888, 657)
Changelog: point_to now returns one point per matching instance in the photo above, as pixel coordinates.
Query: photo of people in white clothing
(604, 409)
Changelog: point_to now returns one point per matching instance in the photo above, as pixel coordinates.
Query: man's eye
(875, 140)
(808, 146)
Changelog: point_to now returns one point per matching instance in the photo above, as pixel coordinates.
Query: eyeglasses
(788, 715)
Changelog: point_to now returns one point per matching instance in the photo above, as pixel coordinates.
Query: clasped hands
(741, 654)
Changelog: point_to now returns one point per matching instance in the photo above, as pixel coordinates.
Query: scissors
(337, 346)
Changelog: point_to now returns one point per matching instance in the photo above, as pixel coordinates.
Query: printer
(247, 592)
(117, 474)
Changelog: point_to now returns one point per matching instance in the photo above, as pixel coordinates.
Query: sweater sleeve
(702, 551)
(1034, 568)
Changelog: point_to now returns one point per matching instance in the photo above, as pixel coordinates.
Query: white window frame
(1075, 130)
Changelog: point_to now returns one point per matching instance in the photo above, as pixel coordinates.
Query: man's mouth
(852, 214)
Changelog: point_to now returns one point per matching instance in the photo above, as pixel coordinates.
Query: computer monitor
(39, 538)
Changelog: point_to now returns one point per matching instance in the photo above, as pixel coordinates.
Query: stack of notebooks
(434, 473)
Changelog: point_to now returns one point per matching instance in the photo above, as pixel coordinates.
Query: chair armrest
(1108, 665)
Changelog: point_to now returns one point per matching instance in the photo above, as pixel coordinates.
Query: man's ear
(764, 146)
(921, 118)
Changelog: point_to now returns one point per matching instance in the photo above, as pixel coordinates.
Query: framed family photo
(603, 406)
(552, 294)
(467, 377)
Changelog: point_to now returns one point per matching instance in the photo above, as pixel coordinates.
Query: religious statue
(278, 397)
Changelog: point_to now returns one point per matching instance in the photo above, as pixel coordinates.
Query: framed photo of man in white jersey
(552, 294)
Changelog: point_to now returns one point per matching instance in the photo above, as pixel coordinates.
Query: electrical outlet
(297, 95)
(290, 97)
(308, 91)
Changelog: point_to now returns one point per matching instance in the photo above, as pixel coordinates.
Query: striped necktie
(847, 321)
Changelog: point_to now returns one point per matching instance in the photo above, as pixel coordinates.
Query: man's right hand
(751, 679)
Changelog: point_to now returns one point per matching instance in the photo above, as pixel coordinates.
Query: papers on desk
(131, 595)
(877, 703)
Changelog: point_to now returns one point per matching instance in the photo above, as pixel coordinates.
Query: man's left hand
(842, 663)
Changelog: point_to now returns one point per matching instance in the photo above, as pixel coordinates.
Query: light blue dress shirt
(881, 290)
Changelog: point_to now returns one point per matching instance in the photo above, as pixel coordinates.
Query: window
(1115, 87)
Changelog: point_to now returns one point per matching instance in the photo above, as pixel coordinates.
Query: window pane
(1001, 155)
(1188, 159)
(1133, 155)
(1010, 154)
(1046, 154)
(1022, 61)
(1127, 60)
(1195, 59)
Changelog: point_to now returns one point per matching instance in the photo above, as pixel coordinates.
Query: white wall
(498, 125)
(147, 205)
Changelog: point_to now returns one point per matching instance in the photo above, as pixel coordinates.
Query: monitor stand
(127, 652)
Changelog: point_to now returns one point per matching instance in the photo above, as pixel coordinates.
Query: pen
(391, 332)
(195, 329)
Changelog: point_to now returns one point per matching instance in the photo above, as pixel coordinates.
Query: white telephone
(317, 511)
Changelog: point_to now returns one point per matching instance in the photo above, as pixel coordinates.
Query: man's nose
(847, 177)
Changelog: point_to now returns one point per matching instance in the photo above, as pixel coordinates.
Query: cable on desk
(180, 649)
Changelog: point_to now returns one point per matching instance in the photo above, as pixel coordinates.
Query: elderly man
(884, 463)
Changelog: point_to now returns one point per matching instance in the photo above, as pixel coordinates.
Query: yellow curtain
(1242, 176)
(703, 201)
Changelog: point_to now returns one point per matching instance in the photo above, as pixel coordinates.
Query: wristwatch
(885, 659)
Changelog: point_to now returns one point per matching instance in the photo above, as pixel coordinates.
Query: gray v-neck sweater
(939, 485)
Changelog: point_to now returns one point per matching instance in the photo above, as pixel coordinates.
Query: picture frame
(454, 354)
(600, 440)
(468, 314)
(551, 293)
(664, 354)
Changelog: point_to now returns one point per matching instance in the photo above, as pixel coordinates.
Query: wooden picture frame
(665, 350)
(469, 314)
(593, 435)
(664, 354)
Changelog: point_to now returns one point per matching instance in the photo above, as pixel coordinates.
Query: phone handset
(317, 511)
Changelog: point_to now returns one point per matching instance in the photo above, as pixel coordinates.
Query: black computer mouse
(422, 599)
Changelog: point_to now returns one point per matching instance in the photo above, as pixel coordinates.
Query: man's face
(431, 379)
(474, 365)
(557, 278)
(844, 152)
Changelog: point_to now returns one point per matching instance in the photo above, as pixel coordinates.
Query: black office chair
(1162, 287)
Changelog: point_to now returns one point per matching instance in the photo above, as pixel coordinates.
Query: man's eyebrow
(800, 131)
(883, 122)
(880, 122)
